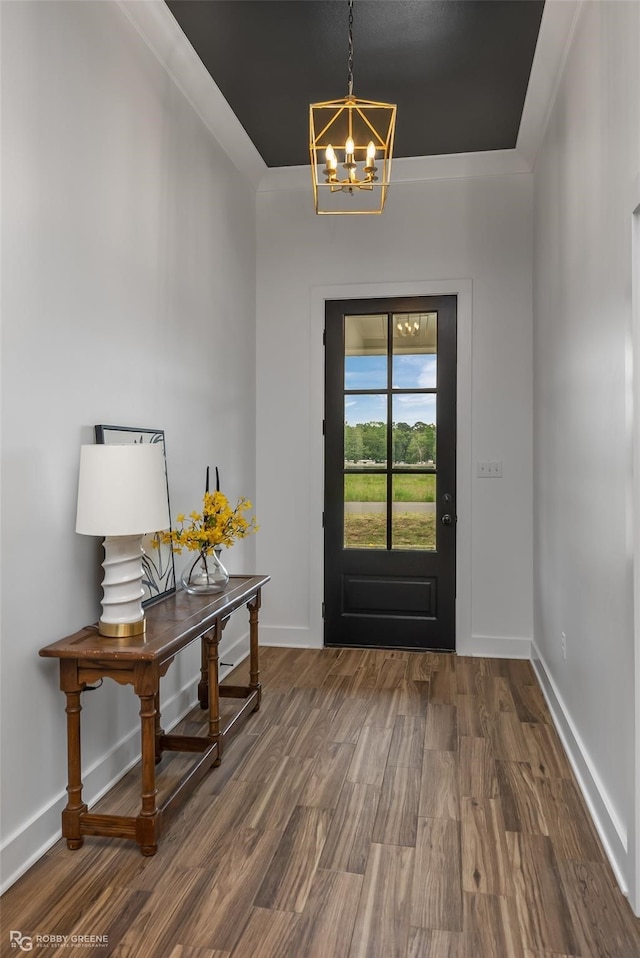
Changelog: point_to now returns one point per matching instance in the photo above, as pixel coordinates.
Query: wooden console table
(141, 661)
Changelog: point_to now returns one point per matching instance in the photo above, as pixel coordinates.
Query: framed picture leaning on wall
(158, 569)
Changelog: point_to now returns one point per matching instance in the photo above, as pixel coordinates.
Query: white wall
(128, 297)
(474, 233)
(586, 188)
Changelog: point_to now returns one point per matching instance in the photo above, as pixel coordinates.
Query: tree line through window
(412, 445)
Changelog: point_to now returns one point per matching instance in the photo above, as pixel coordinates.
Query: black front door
(390, 473)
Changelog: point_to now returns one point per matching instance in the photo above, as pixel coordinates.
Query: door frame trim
(633, 511)
(463, 289)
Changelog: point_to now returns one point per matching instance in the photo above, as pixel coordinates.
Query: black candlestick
(217, 480)
(207, 485)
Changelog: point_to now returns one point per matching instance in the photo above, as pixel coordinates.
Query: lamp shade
(122, 490)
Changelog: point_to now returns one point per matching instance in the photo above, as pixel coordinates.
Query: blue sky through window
(413, 371)
(365, 372)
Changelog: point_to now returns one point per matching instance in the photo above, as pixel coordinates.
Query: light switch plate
(490, 469)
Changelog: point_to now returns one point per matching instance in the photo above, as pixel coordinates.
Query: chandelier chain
(350, 57)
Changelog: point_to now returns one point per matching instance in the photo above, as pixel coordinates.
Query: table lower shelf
(146, 829)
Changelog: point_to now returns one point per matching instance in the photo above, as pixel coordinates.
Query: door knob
(446, 520)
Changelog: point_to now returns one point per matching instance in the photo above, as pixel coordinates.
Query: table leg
(254, 663)
(159, 731)
(147, 688)
(203, 685)
(75, 806)
(213, 678)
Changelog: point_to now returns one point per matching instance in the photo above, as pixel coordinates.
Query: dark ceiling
(457, 69)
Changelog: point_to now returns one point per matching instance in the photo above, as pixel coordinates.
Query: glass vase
(205, 575)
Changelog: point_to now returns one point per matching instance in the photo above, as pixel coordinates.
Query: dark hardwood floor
(380, 805)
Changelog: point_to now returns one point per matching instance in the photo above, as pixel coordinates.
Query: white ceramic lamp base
(122, 613)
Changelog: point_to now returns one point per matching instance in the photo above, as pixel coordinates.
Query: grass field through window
(410, 530)
(406, 488)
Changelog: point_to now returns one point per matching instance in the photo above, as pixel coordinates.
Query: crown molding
(410, 169)
(159, 29)
(559, 19)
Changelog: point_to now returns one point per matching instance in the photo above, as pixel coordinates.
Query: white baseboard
(492, 646)
(610, 828)
(289, 637)
(496, 647)
(33, 838)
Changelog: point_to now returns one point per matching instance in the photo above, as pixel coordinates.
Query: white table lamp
(122, 494)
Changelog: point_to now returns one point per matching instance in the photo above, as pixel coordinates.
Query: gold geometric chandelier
(360, 133)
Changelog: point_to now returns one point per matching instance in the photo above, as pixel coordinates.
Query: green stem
(201, 555)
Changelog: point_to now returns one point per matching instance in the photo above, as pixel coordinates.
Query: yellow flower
(218, 524)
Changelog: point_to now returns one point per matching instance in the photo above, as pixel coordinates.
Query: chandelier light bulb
(349, 148)
(330, 158)
(371, 153)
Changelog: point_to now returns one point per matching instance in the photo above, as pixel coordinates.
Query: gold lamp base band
(122, 630)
